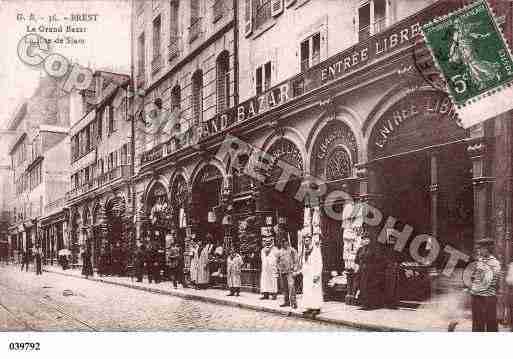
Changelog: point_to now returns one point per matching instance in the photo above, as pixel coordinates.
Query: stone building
(344, 93)
(37, 153)
(99, 201)
(186, 68)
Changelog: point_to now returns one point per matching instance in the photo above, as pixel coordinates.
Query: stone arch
(160, 180)
(388, 104)
(285, 149)
(290, 135)
(201, 166)
(345, 116)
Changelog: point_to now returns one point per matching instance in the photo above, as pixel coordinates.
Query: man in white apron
(312, 271)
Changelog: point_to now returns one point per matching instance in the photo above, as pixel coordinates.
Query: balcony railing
(364, 33)
(55, 205)
(173, 48)
(379, 25)
(153, 154)
(156, 64)
(122, 171)
(194, 29)
(218, 9)
(263, 13)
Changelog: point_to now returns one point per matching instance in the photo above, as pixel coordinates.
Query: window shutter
(248, 18)
(276, 7)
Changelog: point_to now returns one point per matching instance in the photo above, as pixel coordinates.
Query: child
(233, 269)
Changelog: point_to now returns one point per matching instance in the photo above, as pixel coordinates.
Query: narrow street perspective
(53, 302)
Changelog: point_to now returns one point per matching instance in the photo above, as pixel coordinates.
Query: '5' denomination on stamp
(470, 51)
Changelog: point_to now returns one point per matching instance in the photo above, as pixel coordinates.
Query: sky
(106, 42)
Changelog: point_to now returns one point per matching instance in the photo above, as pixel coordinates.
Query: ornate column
(433, 191)
(482, 183)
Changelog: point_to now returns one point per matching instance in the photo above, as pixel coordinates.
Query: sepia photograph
(315, 167)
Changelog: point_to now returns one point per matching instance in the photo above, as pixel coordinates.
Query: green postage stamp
(470, 51)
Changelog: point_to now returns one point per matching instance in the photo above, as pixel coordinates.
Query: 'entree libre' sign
(401, 35)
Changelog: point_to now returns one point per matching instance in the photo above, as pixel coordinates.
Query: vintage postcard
(255, 166)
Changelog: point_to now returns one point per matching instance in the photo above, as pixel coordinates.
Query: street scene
(38, 304)
(256, 165)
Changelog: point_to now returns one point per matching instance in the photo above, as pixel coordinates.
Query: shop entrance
(206, 192)
(422, 170)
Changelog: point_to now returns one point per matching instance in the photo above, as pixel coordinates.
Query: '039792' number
(24, 346)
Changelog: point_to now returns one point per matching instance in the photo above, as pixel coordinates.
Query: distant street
(30, 302)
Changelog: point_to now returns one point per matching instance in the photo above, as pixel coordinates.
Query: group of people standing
(281, 263)
(35, 254)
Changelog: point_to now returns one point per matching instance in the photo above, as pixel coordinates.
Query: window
(263, 78)
(99, 126)
(310, 51)
(197, 96)
(372, 18)
(223, 81)
(156, 37)
(195, 10)
(87, 139)
(140, 56)
(86, 175)
(262, 11)
(173, 18)
(124, 154)
(111, 120)
(175, 97)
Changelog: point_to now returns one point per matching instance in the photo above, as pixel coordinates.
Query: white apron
(312, 292)
(269, 275)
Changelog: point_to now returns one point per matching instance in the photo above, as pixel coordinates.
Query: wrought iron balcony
(379, 25)
(195, 29)
(218, 9)
(173, 48)
(119, 172)
(152, 155)
(156, 64)
(263, 13)
(364, 33)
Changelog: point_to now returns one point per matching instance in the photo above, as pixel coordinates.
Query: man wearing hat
(485, 281)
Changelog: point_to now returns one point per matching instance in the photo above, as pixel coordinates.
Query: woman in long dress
(233, 270)
(312, 276)
(269, 275)
(194, 263)
(203, 261)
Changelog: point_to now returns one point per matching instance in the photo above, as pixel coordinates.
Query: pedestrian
(509, 282)
(139, 261)
(485, 281)
(175, 269)
(193, 270)
(287, 264)
(24, 260)
(312, 275)
(203, 261)
(371, 281)
(39, 260)
(87, 265)
(233, 270)
(269, 274)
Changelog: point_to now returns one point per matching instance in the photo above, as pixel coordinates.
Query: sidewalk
(424, 318)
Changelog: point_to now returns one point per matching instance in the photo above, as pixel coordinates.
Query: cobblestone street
(30, 302)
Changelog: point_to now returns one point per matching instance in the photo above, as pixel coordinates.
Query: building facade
(345, 94)
(37, 153)
(186, 73)
(98, 204)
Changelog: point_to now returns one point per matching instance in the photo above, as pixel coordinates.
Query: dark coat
(87, 265)
(372, 261)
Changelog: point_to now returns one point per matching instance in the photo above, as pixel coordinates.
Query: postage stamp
(470, 51)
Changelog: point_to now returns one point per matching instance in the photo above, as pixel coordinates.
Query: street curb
(226, 302)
